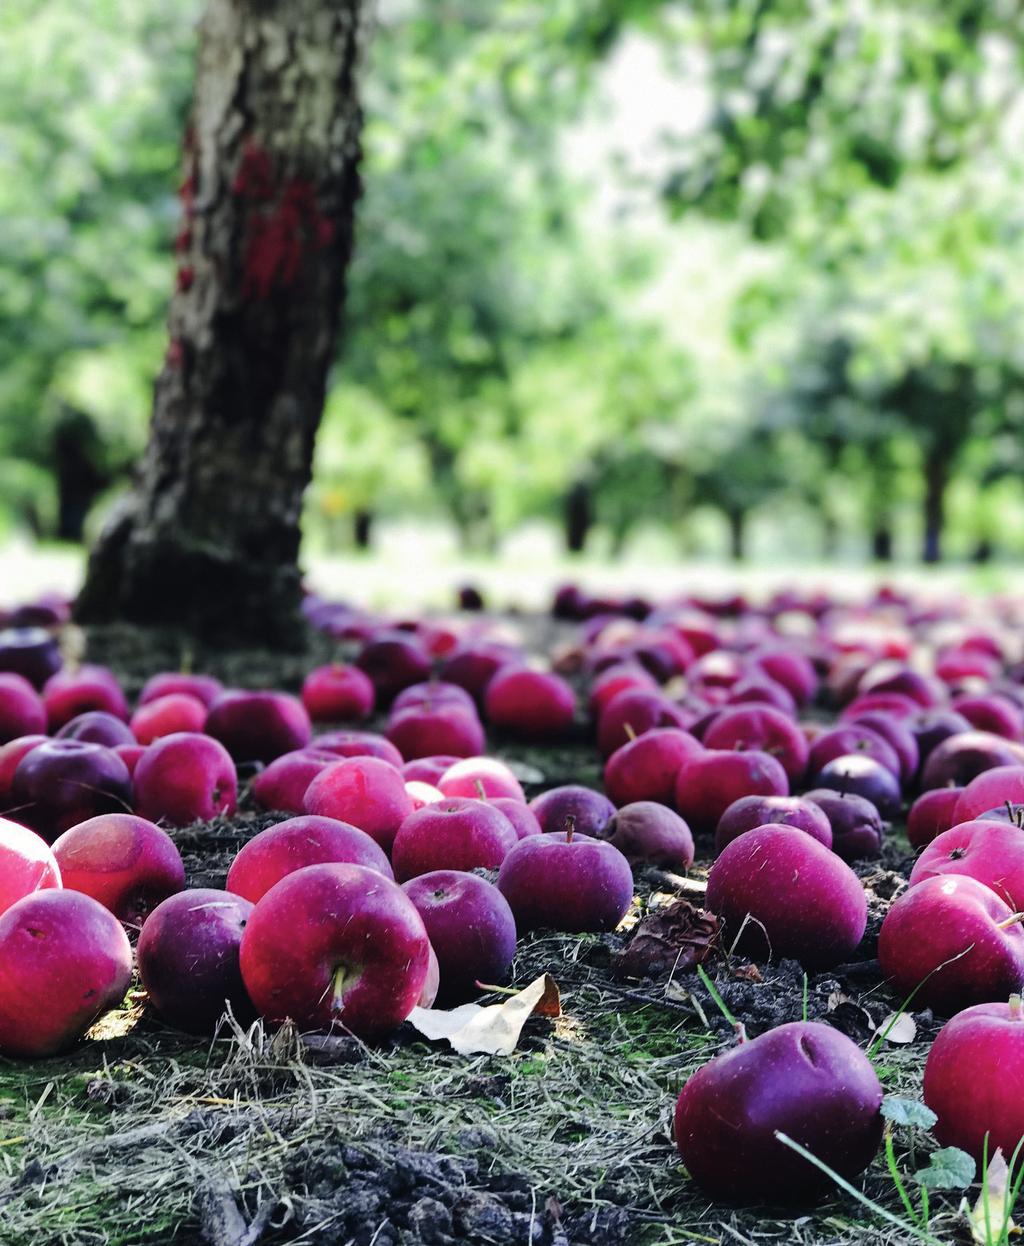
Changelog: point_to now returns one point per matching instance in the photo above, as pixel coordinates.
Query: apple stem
(741, 1032)
(1016, 1008)
(570, 827)
(1012, 920)
(479, 785)
(628, 729)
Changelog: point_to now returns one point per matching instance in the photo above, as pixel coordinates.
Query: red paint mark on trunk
(186, 275)
(280, 238)
(255, 176)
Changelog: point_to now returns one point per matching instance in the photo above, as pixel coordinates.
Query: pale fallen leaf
(493, 1028)
(990, 1220)
(898, 1028)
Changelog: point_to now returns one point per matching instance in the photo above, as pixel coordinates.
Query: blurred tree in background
(618, 265)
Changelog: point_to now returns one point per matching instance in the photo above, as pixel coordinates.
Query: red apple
(482, 777)
(258, 726)
(335, 945)
(781, 893)
(974, 1080)
(952, 941)
(364, 791)
(805, 1080)
(126, 863)
(566, 882)
(991, 852)
(69, 693)
(646, 768)
(177, 711)
(283, 784)
(358, 744)
(203, 687)
(745, 727)
(66, 960)
(750, 812)
(26, 864)
(932, 813)
(453, 834)
(528, 703)
(1002, 785)
(97, 727)
(21, 708)
(63, 782)
(471, 929)
(289, 846)
(708, 783)
(185, 778)
(647, 832)
(338, 693)
(425, 731)
(632, 714)
(572, 808)
(188, 959)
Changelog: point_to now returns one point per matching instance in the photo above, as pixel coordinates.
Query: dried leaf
(748, 973)
(990, 1220)
(899, 1028)
(670, 941)
(493, 1029)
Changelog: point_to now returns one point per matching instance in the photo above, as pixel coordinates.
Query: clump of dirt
(390, 1195)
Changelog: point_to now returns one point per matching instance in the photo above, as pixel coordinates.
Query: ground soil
(143, 1135)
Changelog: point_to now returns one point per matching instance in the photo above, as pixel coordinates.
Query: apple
(895, 677)
(531, 704)
(21, 708)
(70, 693)
(852, 739)
(761, 690)
(393, 660)
(258, 726)
(364, 791)
(425, 731)
(335, 945)
(990, 851)
(456, 833)
(97, 727)
(857, 827)
(790, 668)
(422, 793)
(930, 727)
(338, 693)
(974, 1080)
(203, 687)
(11, 754)
(62, 782)
(805, 1080)
(781, 893)
(992, 713)
(895, 704)
(358, 744)
(898, 734)
(473, 665)
(932, 813)
(188, 959)
(282, 785)
(130, 755)
(1002, 785)
(31, 652)
(66, 960)
(177, 711)
(633, 713)
(708, 783)
(428, 769)
(647, 832)
(761, 727)
(470, 927)
(863, 776)
(565, 881)
(646, 768)
(481, 777)
(953, 942)
(126, 863)
(572, 808)
(622, 677)
(26, 864)
(433, 693)
(960, 758)
(750, 812)
(289, 846)
(183, 778)
(523, 819)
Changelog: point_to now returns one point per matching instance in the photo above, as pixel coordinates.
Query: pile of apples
(784, 738)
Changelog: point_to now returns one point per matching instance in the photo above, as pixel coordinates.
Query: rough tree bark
(209, 536)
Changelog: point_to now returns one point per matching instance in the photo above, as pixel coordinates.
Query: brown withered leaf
(671, 940)
(748, 973)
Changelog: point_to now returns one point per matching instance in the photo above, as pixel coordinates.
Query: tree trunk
(362, 529)
(578, 517)
(737, 534)
(79, 481)
(881, 543)
(936, 478)
(829, 536)
(209, 537)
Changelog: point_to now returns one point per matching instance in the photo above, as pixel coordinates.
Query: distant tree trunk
(881, 543)
(362, 529)
(79, 481)
(737, 534)
(578, 517)
(829, 536)
(936, 478)
(209, 537)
